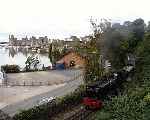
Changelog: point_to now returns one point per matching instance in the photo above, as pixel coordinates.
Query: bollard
(49, 83)
(40, 83)
(17, 83)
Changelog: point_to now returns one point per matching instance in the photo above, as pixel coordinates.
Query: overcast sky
(62, 18)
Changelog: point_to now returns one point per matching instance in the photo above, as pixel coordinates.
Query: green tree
(32, 61)
(94, 68)
(54, 53)
(50, 52)
(137, 35)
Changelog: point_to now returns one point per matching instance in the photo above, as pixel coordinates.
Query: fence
(48, 83)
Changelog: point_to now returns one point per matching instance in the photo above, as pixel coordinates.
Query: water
(18, 56)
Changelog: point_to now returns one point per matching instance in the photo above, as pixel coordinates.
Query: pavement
(30, 99)
(10, 95)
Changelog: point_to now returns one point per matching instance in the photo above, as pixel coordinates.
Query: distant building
(12, 40)
(86, 38)
(41, 42)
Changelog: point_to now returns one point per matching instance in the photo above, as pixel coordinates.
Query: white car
(45, 100)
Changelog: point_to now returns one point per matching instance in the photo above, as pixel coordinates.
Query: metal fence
(48, 83)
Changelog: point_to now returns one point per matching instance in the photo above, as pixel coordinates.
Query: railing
(48, 83)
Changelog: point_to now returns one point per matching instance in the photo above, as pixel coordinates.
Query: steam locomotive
(107, 85)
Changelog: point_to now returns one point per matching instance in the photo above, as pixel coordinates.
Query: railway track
(81, 114)
(76, 113)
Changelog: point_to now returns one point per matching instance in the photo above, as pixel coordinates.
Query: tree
(122, 39)
(76, 43)
(138, 30)
(116, 46)
(74, 38)
(32, 61)
(99, 30)
(29, 62)
(50, 52)
(94, 68)
(54, 53)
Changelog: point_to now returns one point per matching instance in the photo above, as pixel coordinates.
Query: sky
(63, 18)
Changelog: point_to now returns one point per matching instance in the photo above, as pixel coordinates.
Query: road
(58, 92)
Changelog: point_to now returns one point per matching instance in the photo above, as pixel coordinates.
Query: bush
(123, 108)
(147, 98)
(11, 68)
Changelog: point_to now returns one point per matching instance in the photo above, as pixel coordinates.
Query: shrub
(147, 98)
(11, 68)
(122, 108)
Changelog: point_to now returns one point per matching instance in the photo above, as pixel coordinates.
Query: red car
(92, 103)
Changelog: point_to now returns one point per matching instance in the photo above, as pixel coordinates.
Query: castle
(31, 42)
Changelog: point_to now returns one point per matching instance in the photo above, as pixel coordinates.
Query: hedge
(11, 68)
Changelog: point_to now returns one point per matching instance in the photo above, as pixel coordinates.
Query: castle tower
(11, 40)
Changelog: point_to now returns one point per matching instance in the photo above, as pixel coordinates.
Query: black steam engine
(107, 85)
